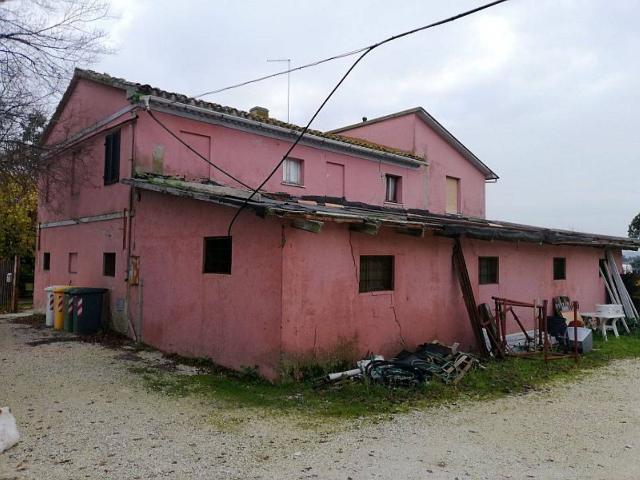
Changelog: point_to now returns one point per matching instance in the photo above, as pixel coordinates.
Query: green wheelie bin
(68, 301)
(87, 311)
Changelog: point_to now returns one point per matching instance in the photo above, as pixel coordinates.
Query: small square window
(292, 171)
(488, 270)
(559, 268)
(393, 189)
(112, 158)
(73, 262)
(109, 264)
(46, 261)
(217, 255)
(376, 273)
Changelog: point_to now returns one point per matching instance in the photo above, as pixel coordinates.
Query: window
(217, 255)
(46, 261)
(393, 189)
(453, 195)
(112, 158)
(109, 264)
(559, 268)
(376, 273)
(292, 171)
(488, 270)
(73, 262)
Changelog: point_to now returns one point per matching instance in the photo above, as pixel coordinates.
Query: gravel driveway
(82, 413)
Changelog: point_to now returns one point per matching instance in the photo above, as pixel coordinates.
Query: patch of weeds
(361, 399)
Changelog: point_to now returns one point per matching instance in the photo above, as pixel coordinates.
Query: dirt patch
(50, 340)
(34, 321)
(106, 339)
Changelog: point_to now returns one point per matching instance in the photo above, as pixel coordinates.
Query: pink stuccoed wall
(250, 157)
(76, 189)
(89, 241)
(410, 133)
(322, 308)
(232, 319)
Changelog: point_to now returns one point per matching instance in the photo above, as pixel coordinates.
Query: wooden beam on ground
(313, 226)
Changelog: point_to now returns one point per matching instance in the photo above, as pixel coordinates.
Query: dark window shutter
(107, 159)
(115, 155)
(112, 158)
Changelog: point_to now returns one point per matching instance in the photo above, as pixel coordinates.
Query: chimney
(260, 112)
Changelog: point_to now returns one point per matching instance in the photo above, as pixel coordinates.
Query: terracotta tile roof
(184, 99)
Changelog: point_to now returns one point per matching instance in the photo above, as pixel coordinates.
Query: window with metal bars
(488, 270)
(559, 268)
(376, 273)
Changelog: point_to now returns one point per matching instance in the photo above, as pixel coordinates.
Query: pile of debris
(410, 369)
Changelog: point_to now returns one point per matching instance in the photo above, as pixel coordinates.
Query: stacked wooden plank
(615, 287)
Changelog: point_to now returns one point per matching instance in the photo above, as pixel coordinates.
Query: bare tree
(41, 42)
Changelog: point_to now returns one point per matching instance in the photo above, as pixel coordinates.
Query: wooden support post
(467, 294)
(14, 287)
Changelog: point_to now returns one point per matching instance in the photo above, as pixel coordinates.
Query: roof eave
(489, 174)
(440, 224)
(199, 113)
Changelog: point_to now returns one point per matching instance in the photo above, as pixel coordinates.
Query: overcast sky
(543, 91)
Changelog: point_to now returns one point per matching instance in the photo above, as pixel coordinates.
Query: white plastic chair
(609, 315)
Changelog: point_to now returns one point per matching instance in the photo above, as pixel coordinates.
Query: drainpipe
(136, 335)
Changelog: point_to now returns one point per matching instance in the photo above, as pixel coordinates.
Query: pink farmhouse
(346, 250)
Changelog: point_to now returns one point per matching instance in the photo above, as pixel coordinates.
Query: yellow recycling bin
(58, 306)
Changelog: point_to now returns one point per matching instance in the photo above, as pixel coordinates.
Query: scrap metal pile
(409, 369)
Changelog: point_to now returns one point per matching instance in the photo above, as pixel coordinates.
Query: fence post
(14, 287)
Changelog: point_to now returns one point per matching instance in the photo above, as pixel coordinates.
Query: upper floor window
(292, 171)
(453, 195)
(559, 268)
(112, 158)
(46, 261)
(488, 270)
(393, 189)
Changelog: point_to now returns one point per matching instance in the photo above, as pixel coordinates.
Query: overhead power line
(364, 52)
(283, 72)
(345, 54)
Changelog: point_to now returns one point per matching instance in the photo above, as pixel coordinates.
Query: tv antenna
(288, 60)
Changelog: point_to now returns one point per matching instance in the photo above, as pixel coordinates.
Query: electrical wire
(284, 72)
(202, 157)
(365, 51)
(346, 54)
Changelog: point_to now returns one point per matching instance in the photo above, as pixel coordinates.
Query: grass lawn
(356, 399)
